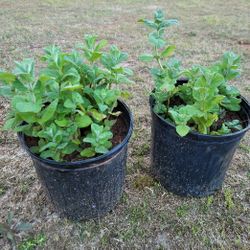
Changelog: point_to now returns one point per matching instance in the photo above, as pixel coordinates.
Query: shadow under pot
(194, 165)
(87, 188)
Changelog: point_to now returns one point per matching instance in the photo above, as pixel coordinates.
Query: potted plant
(197, 121)
(71, 123)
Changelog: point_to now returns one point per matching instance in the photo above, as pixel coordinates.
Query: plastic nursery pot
(194, 165)
(89, 188)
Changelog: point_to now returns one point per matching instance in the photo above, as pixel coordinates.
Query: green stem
(158, 57)
(82, 108)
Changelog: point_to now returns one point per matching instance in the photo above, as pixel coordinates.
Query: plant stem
(158, 57)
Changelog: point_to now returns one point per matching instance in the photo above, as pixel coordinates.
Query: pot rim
(194, 134)
(86, 162)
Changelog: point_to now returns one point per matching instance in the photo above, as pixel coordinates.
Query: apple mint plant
(201, 104)
(69, 105)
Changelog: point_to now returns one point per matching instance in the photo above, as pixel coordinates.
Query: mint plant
(201, 102)
(69, 106)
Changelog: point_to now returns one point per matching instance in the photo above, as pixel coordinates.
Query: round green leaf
(146, 58)
(88, 152)
(182, 130)
(83, 121)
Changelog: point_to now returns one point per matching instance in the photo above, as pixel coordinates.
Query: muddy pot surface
(194, 165)
(88, 188)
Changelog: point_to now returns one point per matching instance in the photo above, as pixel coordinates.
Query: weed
(195, 229)
(87, 230)
(33, 242)
(245, 148)
(124, 198)
(104, 241)
(10, 228)
(208, 203)
(143, 181)
(142, 150)
(3, 190)
(182, 210)
(228, 195)
(139, 213)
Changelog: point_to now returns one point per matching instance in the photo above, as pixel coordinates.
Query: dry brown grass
(148, 217)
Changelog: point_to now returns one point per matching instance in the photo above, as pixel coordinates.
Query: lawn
(147, 217)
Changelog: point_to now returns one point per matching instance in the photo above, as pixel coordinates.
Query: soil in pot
(119, 130)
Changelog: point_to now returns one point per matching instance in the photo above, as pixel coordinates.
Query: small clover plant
(198, 104)
(69, 105)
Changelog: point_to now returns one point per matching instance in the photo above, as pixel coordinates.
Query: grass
(148, 216)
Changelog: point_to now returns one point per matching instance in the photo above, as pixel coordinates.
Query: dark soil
(176, 101)
(229, 116)
(119, 130)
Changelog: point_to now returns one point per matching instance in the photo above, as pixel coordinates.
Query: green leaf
(7, 77)
(49, 145)
(101, 149)
(168, 23)
(23, 227)
(222, 131)
(123, 79)
(156, 40)
(9, 124)
(182, 130)
(231, 103)
(70, 148)
(5, 91)
(62, 122)
(97, 115)
(25, 69)
(96, 129)
(29, 117)
(71, 75)
(83, 121)
(148, 23)
(88, 152)
(168, 51)
(19, 86)
(49, 112)
(11, 237)
(128, 71)
(49, 154)
(159, 15)
(146, 58)
(69, 104)
(234, 124)
(23, 106)
(101, 44)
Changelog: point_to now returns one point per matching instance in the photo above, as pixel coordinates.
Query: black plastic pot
(88, 188)
(194, 165)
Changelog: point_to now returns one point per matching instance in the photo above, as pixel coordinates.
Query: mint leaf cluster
(69, 105)
(204, 98)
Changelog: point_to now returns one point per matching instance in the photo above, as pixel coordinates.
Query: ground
(148, 216)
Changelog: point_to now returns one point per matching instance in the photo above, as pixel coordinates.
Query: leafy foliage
(36, 242)
(68, 105)
(10, 228)
(206, 95)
